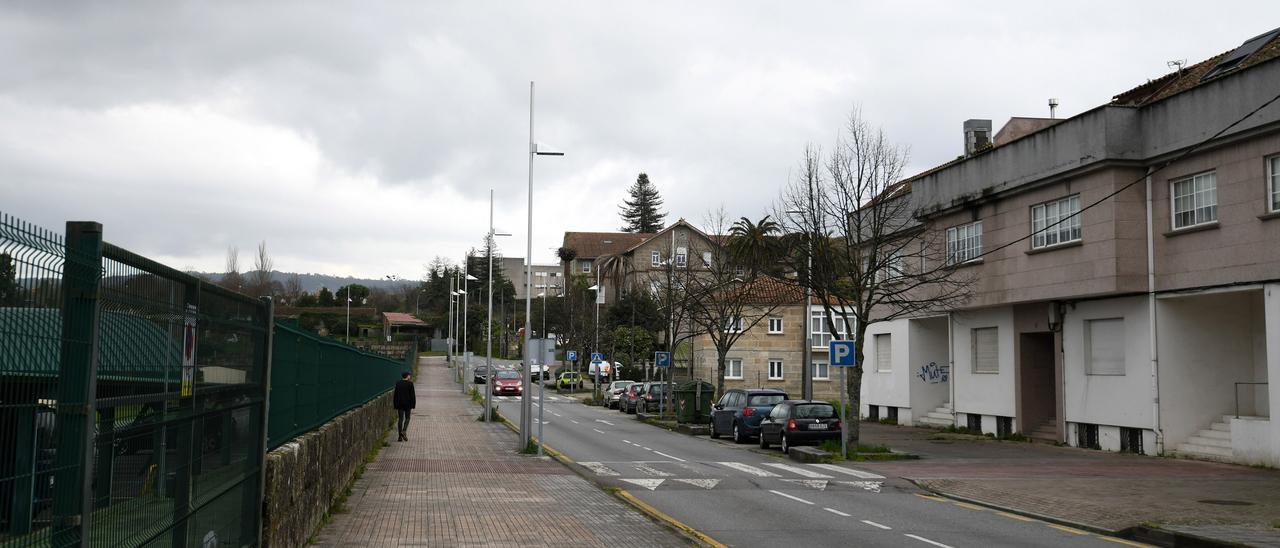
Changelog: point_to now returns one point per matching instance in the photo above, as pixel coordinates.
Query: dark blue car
(739, 412)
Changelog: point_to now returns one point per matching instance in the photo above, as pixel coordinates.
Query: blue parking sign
(572, 355)
(842, 354)
(662, 359)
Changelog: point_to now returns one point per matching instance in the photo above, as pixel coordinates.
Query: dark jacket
(404, 397)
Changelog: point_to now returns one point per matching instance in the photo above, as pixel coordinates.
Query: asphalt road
(741, 497)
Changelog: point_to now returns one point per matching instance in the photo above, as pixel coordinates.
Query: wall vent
(1131, 441)
(974, 422)
(1087, 436)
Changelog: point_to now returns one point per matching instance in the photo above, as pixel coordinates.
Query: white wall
(1271, 308)
(927, 343)
(984, 393)
(1206, 345)
(1115, 400)
(889, 388)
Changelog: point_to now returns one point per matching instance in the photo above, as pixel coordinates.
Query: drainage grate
(1220, 502)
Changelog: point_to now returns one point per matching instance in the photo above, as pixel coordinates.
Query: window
(1195, 200)
(740, 272)
(1104, 346)
(733, 324)
(655, 258)
(733, 368)
(884, 353)
(586, 266)
(1273, 183)
(1043, 217)
(986, 355)
(706, 259)
(891, 269)
(821, 371)
(818, 329)
(775, 370)
(682, 257)
(775, 325)
(964, 243)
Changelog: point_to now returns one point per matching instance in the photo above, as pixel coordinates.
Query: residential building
(547, 278)
(1127, 274)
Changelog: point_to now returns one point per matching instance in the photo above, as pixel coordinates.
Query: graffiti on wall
(933, 373)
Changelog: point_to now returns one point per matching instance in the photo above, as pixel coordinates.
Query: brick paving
(1106, 490)
(459, 482)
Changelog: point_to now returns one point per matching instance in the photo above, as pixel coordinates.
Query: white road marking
(645, 448)
(873, 486)
(668, 456)
(922, 539)
(573, 421)
(652, 471)
(598, 431)
(850, 471)
(797, 499)
(820, 485)
(748, 469)
(604, 421)
(703, 483)
(649, 484)
(797, 470)
(874, 524)
(599, 469)
(836, 512)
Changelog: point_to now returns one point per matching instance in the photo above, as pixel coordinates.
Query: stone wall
(304, 476)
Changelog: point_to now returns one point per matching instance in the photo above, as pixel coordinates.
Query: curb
(1009, 509)
(694, 535)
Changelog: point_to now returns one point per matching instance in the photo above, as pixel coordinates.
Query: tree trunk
(853, 388)
(720, 366)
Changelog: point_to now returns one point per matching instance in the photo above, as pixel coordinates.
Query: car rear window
(765, 399)
(814, 411)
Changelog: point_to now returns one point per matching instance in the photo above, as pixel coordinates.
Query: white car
(539, 370)
(606, 369)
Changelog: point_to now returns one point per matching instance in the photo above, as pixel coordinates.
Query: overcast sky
(363, 138)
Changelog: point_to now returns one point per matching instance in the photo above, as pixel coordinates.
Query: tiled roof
(591, 245)
(1189, 77)
(400, 318)
(770, 290)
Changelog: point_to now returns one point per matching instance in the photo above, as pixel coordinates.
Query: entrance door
(1036, 391)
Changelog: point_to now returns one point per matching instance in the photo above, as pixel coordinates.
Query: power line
(1166, 164)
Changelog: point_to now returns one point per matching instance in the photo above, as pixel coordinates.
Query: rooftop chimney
(1053, 107)
(977, 136)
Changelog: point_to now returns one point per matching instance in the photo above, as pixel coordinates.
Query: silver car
(614, 393)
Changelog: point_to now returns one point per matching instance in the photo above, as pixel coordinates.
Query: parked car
(606, 369)
(569, 379)
(799, 422)
(651, 400)
(630, 400)
(614, 393)
(507, 382)
(538, 370)
(739, 412)
(479, 374)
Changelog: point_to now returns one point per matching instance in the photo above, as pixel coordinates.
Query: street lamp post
(488, 325)
(449, 322)
(525, 402)
(348, 313)
(595, 347)
(806, 381)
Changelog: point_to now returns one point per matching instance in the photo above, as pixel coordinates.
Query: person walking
(404, 400)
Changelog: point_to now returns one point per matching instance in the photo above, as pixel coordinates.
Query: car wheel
(714, 435)
(737, 434)
(763, 444)
(786, 449)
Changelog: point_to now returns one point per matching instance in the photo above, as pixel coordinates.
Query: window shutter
(1105, 346)
(986, 353)
(884, 353)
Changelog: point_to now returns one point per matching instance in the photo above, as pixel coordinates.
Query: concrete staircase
(1212, 443)
(940, 417)
(1046, 431)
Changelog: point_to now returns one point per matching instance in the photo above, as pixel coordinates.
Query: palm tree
(753, 245)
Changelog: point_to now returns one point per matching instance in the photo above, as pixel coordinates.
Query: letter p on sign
(842, 354)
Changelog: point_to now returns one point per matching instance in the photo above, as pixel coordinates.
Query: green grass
(530, 449)
(493, 413)
(425, 353)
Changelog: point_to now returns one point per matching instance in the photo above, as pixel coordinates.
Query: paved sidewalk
(459, 482)
(1108, 491)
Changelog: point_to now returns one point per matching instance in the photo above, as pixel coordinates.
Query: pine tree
(640, 212)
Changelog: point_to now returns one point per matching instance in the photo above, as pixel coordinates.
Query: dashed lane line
(837, 512)
(922, 539)
(598, 431)
(669, 456)
(874, 524)
(797, 499)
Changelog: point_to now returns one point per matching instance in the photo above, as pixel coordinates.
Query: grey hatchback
(799, 422)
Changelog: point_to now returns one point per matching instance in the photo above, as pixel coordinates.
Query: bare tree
(872, 260)
(293, 286)
(231, 278)
(260, 278)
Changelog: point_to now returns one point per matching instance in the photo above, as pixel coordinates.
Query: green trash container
(693, 401)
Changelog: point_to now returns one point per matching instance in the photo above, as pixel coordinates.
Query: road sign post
(596, 359)
(843, 354)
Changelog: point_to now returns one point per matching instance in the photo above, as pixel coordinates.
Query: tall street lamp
(806, 381)
(595, 347)
(488, 324)
(525, 407)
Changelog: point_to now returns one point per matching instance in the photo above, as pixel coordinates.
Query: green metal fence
(134, 396)
(314, 379)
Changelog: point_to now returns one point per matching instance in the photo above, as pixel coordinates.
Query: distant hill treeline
(312, 283)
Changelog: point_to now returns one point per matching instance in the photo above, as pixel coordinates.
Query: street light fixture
(488, 324)
(595, 383)
(806, 380)
(525, 407)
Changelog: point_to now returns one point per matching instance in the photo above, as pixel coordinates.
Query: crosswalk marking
(703, 483)
(820, 485)
(599, 469)
(649, 484)
(652, 471)
(797, 470)
(849, 471)
(748, 469)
